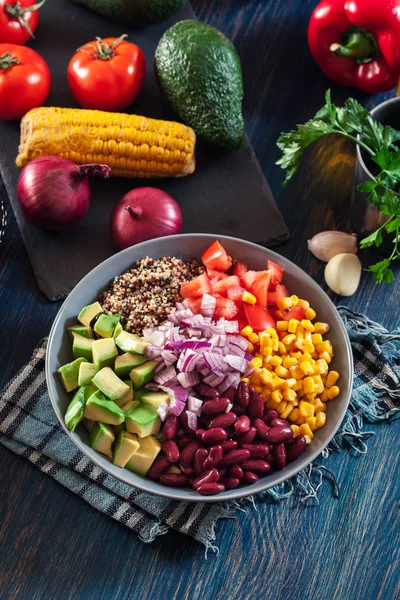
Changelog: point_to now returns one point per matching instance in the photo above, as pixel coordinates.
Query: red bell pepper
(357, 42)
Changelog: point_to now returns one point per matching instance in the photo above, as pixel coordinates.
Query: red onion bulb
(143, 214)
(54, 192)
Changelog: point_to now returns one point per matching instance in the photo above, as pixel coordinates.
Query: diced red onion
(208, 304)
(176, 408)
(232, 379)
(162, 410)
(156, 338)
(188, 379)
(231, 326)
(152, 386)
(194, 332)
(239, 341)
(159, 366)
(198, 345)
(165, 375)
(169, 357)
(195, 405)
(178, 345)
(236, 362)
(179, 315)
(192, 420)
(214, 380)
(214, 361)
(229, 407)
(153, 352)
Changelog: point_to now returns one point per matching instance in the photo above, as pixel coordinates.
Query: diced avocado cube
(89, 424)
(129, 342)
(142, 374)
(82, 346)
(118, 329)
(130, 405)
(128, 396)
(105, 325)
(99, 408)
(86, 332)
(140, 392)
(126, 362)
(90, 312)
(69, 374)
(102, 438)
(112, 386)
(104, 352)
(125, 447)
(155, 398)
(144, 457)
(86, 373)
(74, 414)
(143, 420)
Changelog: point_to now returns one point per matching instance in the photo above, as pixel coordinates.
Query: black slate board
(228, 193)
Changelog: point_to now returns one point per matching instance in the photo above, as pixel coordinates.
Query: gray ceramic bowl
(186, 246)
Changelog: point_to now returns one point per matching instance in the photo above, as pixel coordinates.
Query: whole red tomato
(24, 80)
(107, 74)
(18, 20)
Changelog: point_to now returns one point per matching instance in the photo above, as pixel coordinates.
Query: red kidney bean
(213, 458)
(256, 405)
(222, 473)
(230, 482)
(243, 424)
(262, 429)
(280, 456)
(171, 450)
(269, 459)
(257, 450)
(159, 467)
(170, 427)
(279, 422)
(234, 458)
(250, 477)
(189, 471)
(243, 394)
(269, 446)
(236, 471)
(296, 448)
(199, 433)
(228, 445)
(210, 489)
(199, 458)
(256, 466)
(248, 437)
(270, 414)
(211, 476)
(225, 420)
(215, 436)
(184, 441)
(180, 432)
(279, 434)
(238, 410)
(230, 393)
(207, 391)
(187, 454)
(215, 407)
(174, 479)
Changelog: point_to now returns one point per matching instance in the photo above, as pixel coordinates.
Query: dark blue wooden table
(53, 545)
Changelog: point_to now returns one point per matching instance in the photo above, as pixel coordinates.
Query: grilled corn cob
(132, 146)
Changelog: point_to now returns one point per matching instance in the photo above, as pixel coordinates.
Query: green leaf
(392, 225)
(389, 203)
(382, 271)
(374, 238)
(367, 186)
(394, 167)
(383, 158)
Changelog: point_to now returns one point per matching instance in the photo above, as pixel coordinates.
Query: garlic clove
(343, 273)
(327, 244)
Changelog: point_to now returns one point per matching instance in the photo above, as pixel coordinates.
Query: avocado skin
(135, 12)
(199, 72)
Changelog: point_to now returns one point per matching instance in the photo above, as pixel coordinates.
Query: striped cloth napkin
(29, 427)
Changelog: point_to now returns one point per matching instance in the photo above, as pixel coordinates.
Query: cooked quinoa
(146, 294)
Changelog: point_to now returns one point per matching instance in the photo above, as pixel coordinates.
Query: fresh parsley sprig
(379, 141)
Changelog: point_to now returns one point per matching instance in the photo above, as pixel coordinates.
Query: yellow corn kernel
(289, 395)
(265, 375)
(303, 303)
(274, 384)
(325, 356)
(296, 354)
(272, 332)
(281, 407)
(300, 421)
(295, 429)
(310, 314)
(308, 439)
(300, 332)
(245, 379)
(305, 366)
(271, 404)
(296, 372)
(324, 396)
(258, 388)
(249, 298)
(266, 394)
(250, 348)
(294, 415)
(297, 386)
(282, 325)
(253, 338)
(318, 384)
(318, 405)
(265, 339)
(281, 371)
(317, 338)
(287, 411)
(308, 385)
(307, 356)
(256, 363)
(289, 383)
(294, 299)
(246, 331)
(306, 323)
(333, 392)
(300, 393)
(275, 345)
(322, 366)
(289, 361)
(275, 361)
(306, 430)
(255, 378)
(284, 303)
(307, 335)
(299, 344)
(276, 396)
(267, 351)
(281, 348)
(332, 378)
(306, 409)
(288, 339)
(258, 355)
(293, 325)
(309, 347)
(311, 422)
(321, 327)
(320, 420)
(325, 346)
(310, 396)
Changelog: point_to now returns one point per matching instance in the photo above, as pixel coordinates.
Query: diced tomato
(258, 318)
(240, 269)
(260, 287)
(197, 287)
(216, 257)
(281, 291)
(215, 275)
(242, 323)
(295, 312)
(194, 304)
(222, 286)
(225, 308)
(248, 279)
(235, 293)
(276, 273)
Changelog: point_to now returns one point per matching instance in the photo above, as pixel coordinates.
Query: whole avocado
(199, 72)
(135, 12)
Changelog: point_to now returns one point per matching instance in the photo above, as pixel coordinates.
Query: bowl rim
(176, 493)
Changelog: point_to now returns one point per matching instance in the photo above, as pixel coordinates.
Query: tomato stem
(7, 60)
(16, 11)
(102, 50)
